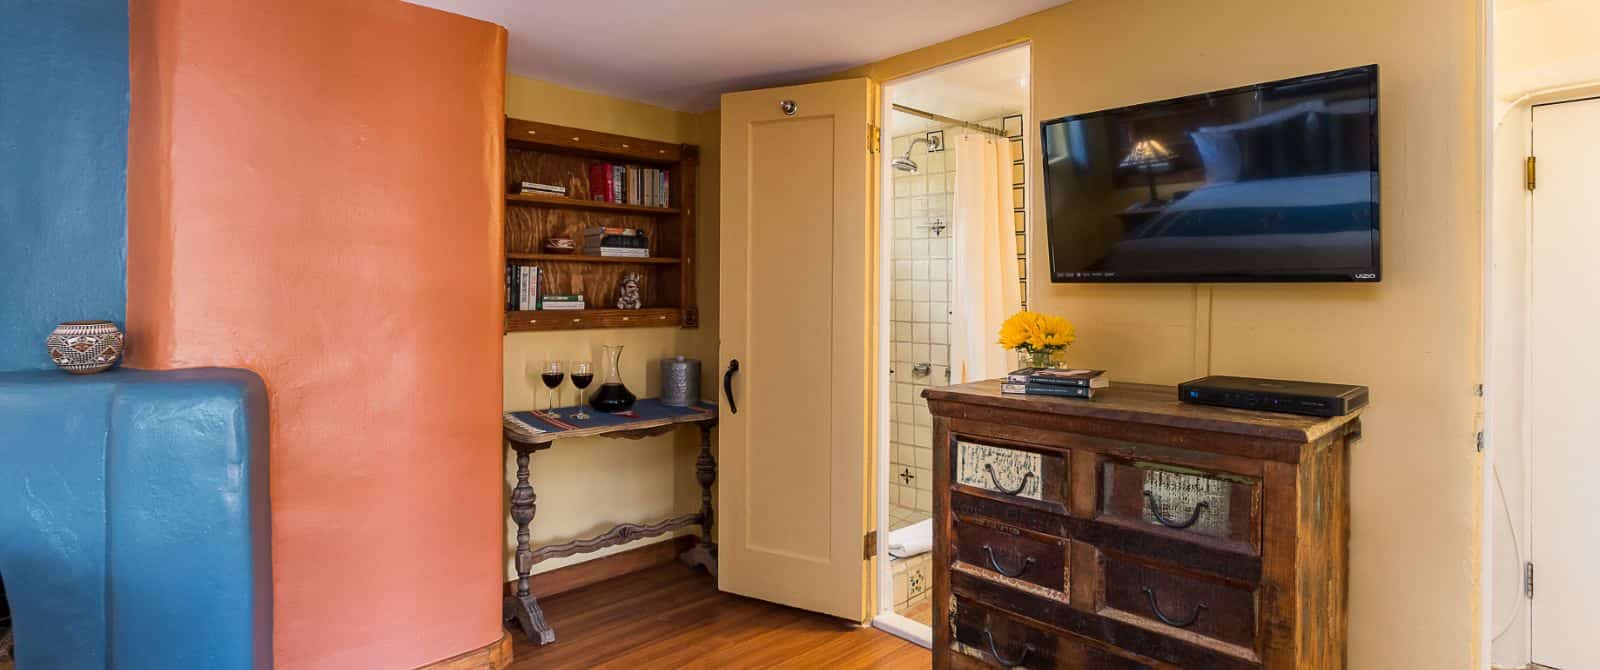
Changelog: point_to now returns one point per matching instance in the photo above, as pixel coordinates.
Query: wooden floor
(673, 616)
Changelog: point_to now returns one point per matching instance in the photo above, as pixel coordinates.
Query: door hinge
(874, 138)
(1533, 173)
(869, 546)
(1527, 574)
(1480, 441)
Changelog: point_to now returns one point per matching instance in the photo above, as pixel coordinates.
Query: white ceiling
(975, 90)
(683, 54)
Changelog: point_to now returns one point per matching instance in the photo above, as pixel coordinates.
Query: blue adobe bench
(134, 527)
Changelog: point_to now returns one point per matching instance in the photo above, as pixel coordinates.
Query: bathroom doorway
(954, 223)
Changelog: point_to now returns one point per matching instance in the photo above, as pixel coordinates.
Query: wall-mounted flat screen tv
(1275, 182)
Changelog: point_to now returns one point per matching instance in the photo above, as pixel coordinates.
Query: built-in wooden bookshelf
(551, 154)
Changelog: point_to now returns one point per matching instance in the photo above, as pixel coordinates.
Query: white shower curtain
(985, 284)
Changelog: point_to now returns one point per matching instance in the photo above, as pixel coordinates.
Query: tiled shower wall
(921, 311)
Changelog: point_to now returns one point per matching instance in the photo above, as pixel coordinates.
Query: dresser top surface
(1148, 404)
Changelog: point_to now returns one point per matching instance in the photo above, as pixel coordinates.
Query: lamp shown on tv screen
(1271, 182)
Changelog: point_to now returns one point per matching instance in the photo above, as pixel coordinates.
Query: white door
(796, 302)
(1564, 360)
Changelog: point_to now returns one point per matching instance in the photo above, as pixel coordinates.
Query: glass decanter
(612, 396)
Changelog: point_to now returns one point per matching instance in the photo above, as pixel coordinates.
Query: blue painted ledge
(134, 519)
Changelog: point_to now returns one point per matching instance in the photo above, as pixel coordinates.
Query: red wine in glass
(551, 373)
(582, 376)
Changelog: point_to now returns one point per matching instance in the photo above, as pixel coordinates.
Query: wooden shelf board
(538, 199)
(649, 317)
(585, 258)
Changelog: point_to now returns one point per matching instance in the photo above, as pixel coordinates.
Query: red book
(600, 181)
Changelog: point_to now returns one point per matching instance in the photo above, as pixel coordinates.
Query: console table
(528, 432)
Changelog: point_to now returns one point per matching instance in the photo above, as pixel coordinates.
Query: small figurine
(628, 293)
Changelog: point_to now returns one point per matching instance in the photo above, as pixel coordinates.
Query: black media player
(1274, 395)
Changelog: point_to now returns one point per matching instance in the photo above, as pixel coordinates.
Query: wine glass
(582, 375)
(552, 372)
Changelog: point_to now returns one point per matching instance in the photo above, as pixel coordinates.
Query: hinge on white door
(869, 546)
(874, 138)
(1533, 173)
(1527, 575)
(1480, 441)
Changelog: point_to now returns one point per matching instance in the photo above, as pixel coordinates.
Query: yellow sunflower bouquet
(1041, 338)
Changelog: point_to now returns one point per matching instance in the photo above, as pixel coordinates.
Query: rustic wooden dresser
(1135, 531)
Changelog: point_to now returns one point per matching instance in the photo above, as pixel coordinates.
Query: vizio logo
(1365, 276)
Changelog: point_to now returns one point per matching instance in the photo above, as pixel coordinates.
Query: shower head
(904, 163)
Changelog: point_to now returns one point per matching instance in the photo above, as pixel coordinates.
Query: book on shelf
(616, 252)
(1034, 388)
(1096, 379)
(618, 241)
(522, 287)
(535, 187)
(602, 231)
(629, 185)
(562, 302)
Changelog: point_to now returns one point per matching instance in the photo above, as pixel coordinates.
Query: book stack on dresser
(1134, 531)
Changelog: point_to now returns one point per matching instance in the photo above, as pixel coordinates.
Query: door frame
(1507, 396)
(885, 618)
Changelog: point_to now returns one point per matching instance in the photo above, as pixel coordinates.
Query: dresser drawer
(999, 640)
(988, 638)
(1182, 501)
(1020, 558)
(1036, 478)
(1175, 599)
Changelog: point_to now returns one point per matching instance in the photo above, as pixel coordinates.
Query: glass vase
(612, 396)
(1042, 359)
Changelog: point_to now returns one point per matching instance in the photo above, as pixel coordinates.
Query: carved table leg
(705, 471)
(522, 607)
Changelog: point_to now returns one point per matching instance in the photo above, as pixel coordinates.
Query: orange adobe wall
(315, 194)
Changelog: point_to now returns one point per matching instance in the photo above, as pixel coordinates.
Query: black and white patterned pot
(85, 347)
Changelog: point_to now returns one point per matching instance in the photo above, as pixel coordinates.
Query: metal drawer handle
(1180, 525)
(1026, 562)
(1003, 661)
(989, 467)
(1156, 607)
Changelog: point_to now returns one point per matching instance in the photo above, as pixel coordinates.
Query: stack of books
(615, 242)
(630, 185)
(562, 301)
(536, 187)
(522, 287)
(1055, 383)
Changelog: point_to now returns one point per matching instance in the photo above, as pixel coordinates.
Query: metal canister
(680, 381)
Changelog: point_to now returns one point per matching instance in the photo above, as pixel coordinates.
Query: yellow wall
(1415, 476)
(586, 486)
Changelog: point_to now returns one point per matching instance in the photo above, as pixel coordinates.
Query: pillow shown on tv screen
(1223, 149)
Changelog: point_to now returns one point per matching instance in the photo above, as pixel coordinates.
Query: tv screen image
(1270, 182)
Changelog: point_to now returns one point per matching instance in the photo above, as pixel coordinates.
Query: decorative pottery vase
(85, 347)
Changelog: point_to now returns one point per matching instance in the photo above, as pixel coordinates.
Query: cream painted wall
(1416, 499)
(1544, 51)
(586, 486)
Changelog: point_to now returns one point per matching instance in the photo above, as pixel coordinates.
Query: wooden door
(797, 298)
(1564, 361)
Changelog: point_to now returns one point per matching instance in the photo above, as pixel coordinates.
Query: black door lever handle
(727, 385)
